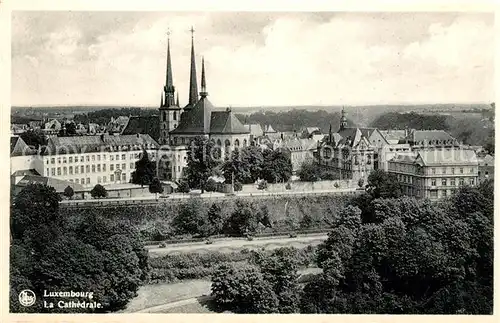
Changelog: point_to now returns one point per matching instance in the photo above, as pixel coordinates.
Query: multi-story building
(435, 173)
(90, 160)
(486, 168)
(300, 151)
(348, 153)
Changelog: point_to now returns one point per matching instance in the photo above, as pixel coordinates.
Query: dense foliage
(50, 250)
(98, 191)
(295, 119)
(104, 116)
(202, 161)
(269, 284)
(34, 138)
(310, 172)
(145, 170)
(412, 256)
(156, 186)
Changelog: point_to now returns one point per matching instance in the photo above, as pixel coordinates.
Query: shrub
(238, 186)
(183, 187)
(211, 185)
(262, 185)
(98, 191)
(288, 186)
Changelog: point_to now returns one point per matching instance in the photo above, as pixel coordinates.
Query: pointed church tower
(177, 103)
(343, 120)
(203, 93)
(169, 111)
(193, 84)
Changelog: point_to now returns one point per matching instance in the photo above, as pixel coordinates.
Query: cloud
(253, 58)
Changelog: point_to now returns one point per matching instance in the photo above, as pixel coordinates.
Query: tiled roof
(80, 144)
(18, 147)
(149, 125)
(255, 129)
(196, 120)
(25, 172)
(299, 144)
(57, 184)
(431, 137)
(487, 160)
(404, 158)
(269, 129)
(225, 122)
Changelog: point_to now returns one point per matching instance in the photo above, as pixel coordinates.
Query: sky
(253, 59)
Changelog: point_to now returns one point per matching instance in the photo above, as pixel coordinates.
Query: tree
(215, 219)
(309, 172)
(211, 185)
(191, 219)
(183, 187)
(69, 192)
(361, 182)
(254, 159)
(145, 170)
(237, 186)
(98, 191)
(245, 219)
(201, 162)
(276, 167)
(155, 187)
(237, 168)
(243, 289)
(69, 129)
(34, 138)
(105, 257)
(383, 184)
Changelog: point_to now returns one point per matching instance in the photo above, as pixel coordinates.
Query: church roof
(430, 136)
(225, 122)
(196, 120)
(143, 125)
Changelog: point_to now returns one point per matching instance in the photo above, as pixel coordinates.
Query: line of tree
(295, 120)
(311, 172)
(410, 256)
(104, 116)
(50, 250)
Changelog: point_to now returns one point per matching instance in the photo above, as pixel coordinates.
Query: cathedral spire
(203, 93)
(161, 102)
(193, 86)
(169, 83)
(177, 103)
(343, 120)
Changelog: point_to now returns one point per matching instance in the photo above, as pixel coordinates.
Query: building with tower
(179, 126)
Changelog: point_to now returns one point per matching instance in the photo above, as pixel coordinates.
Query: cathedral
(180, 125)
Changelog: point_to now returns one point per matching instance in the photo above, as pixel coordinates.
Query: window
(65, 170)
(93, 168)
(65, 160)
(461, 170)
(471, 170)
(117, 166)
(70, 160)
(71, 170)
(82, 170)
(82, 181)
(444, 170)
(124, 177)
(175, 115)
(82, 160)
(76, 169)
(103, 167)
(77, 181)
(131, 165)
(178, 168)
(71, 181)
(471, 181)
(112, 177)
(88, 180)
(124, 157)
(104, 157)
(443, 182)
(47, 172)
(433, 171)
(104, 179)
(99, 179)
(453, 170)
(433, 182)
(53, 172)
(124, 166)
(117, 157)
(59, 160)
(433, 193)
(93, 157)
(452, 182)
(88, 158)
(87, 168)
(111, 167)
(98, 167)
(98, 157)
(461, 181)
(52, 160)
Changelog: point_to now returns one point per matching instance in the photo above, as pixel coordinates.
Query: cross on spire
(192, 32)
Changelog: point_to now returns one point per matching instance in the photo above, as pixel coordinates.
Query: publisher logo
(27, 297)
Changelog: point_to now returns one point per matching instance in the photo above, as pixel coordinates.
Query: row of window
(452, 170)
(100, 179)
(88, 158)
(86, 169)
(452, 181)
(444, 193)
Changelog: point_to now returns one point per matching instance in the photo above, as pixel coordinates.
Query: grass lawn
(153, 295)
